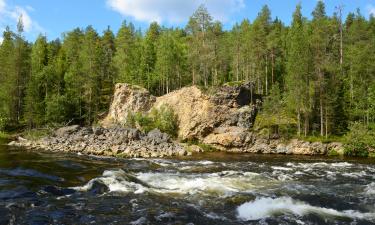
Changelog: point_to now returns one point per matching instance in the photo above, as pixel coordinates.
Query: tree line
(320, 71)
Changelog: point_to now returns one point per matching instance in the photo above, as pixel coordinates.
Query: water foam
(224, 183)
(370, 189)
(266, 207)
(116, 181)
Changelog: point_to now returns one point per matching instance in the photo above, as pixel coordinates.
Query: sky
(53, 17)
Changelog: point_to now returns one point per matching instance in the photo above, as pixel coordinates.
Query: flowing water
(45, 188)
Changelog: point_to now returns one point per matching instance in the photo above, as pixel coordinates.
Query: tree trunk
(299, 122)
(266, 74)
(306, 124)
(273, 66)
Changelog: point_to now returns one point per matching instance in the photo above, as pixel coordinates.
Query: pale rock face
(197, 115)
(222, 119)
(128, 98)
(229, 137)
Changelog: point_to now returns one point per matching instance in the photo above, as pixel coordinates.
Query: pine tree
(74, 79)
(125, 59)
(260, 30)
(90, 56)
(7, 78)
(319, 40)
(200, 45)
(37, 84)
(107, 70)
(21, 60)
(149, 54)
(298, 83)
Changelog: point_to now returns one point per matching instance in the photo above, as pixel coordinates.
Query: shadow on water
(211, 188)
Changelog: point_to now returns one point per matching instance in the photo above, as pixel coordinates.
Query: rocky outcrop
(222, 119)
(128, 98)
(116, 141)
(198, 114)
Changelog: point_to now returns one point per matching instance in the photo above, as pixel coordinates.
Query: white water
(279, 181)
(224, 183)
(266, 207)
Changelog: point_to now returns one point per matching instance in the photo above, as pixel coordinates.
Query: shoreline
(131, 143)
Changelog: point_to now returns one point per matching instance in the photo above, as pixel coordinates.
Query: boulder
(228, 137)
(157, 137)
(64, 131)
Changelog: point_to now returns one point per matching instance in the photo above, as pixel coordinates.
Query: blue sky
(53, 17)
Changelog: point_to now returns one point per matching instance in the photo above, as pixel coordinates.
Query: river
(216, 188)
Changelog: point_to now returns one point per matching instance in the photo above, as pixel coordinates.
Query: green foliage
(4, 136)
(163, 119)
(313, 81)
(58, 108)
(333, 153)
(273, 115)
(328, 139)
(4, 121)
(204, 147)
(36, 134)
(359, 140)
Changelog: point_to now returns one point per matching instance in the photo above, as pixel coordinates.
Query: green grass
(329, 139)
(205, 147)
(35, 134)
(5, 136)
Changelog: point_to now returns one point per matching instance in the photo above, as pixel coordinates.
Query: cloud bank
(174, 11)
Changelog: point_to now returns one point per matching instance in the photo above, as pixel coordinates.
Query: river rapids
(44, 188)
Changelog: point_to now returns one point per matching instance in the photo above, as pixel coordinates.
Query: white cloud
(2, 6)
(20, 12)
(174, 11)
(371, 9)
(10, 14)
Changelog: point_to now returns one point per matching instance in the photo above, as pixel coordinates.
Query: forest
(316, 75)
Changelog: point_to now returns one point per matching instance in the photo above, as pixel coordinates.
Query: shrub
(3, 122)
(163, 119)
(358, 140)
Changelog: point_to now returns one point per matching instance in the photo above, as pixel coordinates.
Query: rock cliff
(200, 116)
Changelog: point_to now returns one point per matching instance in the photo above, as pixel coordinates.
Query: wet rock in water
(98, 187)
(58, 191)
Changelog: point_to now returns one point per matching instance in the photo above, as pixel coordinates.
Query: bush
(163, 119)
(4, 121)
(358, 140)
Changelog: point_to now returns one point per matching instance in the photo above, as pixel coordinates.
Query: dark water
(43, 188)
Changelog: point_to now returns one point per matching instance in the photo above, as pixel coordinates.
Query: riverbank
(133, 143)
(181, 123)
